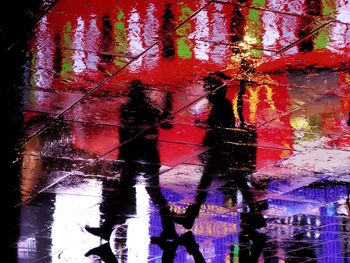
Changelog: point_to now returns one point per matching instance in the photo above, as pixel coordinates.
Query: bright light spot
(138, 228)
(250, 40)
(300, 123)
(69, 218)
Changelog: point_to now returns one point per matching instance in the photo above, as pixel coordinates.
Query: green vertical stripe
(254, 25)
(183, 43)
(329, 7)
(322, 39)
(121, 39)
(67, 62)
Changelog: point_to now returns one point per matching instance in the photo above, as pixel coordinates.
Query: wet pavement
(177, 131)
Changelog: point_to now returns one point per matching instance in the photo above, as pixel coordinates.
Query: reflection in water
(92, 37)
(78, 45)
(237, 22)
(170, 247)
(201, 48)
(127, 30)
(151, 33)
(61, 229)
(44, 55)
(231, 156)
(306, 25)
(135, 38)
(183, 43)
(106, 39)
(57, 66)
(69, 48)
(168, 48)
(139, 156)
(219, 34)
(13, 47)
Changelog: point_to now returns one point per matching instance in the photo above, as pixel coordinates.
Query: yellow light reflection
(250, 40)
(254, 100)
(300, 123)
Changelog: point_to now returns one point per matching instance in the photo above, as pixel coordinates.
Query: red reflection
(79, 44)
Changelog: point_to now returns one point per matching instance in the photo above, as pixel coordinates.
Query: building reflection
(119, 33)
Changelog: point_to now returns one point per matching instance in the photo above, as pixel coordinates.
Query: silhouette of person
(138, 155)
(231, 156)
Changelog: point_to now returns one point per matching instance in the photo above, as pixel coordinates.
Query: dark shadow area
(17, 19)
(307, 23)
(138, 157)
(230, 158)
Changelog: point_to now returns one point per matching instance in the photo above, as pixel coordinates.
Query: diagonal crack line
(102, 83)
(303, 38)
(256, 8)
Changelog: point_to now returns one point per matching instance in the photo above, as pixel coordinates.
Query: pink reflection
(92, 38)
(43, 57)
(135, 38)
(219, 34)
(78, 45)
(343, 10)
(150, 34)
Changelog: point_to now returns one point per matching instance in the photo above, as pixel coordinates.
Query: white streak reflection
(135, 39)
(219, 35)
(138, 228)
(44, 55)
(150, 34)
(71, 213)
(201, 49)
(91, 44)
(78, 44)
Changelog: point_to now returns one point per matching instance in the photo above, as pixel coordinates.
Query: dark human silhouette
(170, 247)
(138, 155)
(231, 156)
